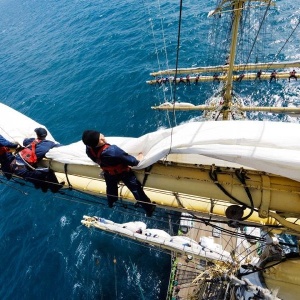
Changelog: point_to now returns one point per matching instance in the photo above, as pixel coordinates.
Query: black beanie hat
(41, 132)
(91, 138)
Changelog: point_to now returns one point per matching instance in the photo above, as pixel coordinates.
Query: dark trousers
(131, 182)
(5, 161)
(42, 179)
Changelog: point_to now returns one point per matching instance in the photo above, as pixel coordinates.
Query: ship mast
(237, 9)
(227, 104)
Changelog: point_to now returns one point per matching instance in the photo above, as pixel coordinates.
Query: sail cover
(268, 146)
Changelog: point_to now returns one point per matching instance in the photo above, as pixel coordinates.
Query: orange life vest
(28, 155)
(112, 170)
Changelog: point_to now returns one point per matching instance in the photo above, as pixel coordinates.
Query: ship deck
(187, 268)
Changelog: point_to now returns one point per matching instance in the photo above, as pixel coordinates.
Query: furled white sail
(15, 126)
(267, 146)
(263, 145)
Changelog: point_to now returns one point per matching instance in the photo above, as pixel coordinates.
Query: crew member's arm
(5, 143)
(126, 158)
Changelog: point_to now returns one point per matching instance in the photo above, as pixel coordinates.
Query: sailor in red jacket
(115, 163)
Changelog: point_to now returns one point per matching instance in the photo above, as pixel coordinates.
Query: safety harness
(112, 170)
(28, 154)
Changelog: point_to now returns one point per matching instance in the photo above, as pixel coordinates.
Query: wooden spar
(168, 243)
(237, 7)
(195, 180)
(278, 110)
(224, 68)
(165, 243)
(182, 107)
(247, 76)
(189, 188)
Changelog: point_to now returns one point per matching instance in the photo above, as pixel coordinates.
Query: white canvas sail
(263, 145)
(266, 146)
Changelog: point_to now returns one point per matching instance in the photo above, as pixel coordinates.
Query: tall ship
(232, 179)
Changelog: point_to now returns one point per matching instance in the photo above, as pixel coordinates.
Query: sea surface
(82, 64)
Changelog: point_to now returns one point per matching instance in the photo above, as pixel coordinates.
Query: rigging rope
(115, 271)
(288, 38)
(177, 51)
(155, 42)
(165, 46)
(230, 233)
(139, 285)
(157, 52)
(12, 187)
(255, 39)
(175, 75)
(258, 31)
(166, 251)
(214, 176)
(206, 222)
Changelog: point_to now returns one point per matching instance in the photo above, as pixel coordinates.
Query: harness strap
(117, 169)
(178, 199)
(66, 173)
(27, 164)
(112, 170)
(99, 152)
(146, 174)
(32, 158)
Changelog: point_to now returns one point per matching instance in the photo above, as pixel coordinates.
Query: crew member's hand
(19, 148)
(140, 156)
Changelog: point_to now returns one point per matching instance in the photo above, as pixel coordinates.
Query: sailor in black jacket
(115, 164)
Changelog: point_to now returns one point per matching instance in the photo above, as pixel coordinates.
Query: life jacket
(3, 150)
(28, 154)
(112, 170)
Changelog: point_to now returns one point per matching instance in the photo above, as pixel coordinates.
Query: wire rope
(258, 31)
(138, 283)
(115, 276)
(175, 75)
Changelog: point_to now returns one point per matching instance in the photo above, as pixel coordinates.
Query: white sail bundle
(15, 126)
(266, 146)
(159, 238)
(263, 145)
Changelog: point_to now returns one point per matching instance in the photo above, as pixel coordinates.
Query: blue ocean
(83, 64)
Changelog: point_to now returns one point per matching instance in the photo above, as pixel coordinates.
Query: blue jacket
(42, 147)
(112, 156)
(5, 143)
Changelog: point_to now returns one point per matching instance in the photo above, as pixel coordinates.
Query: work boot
(111, 202)
(54, 188)
(149, 208)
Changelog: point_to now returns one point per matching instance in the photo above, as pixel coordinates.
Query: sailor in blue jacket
(41, 178)
(43, 146)
(6, 157)
(115, 163)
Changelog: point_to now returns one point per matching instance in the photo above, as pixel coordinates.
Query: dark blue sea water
(78, 64)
